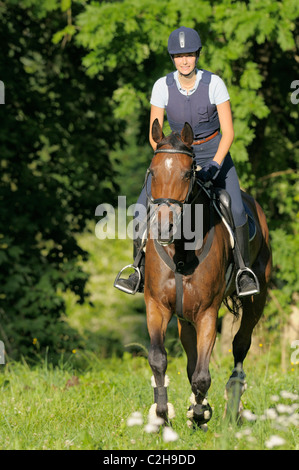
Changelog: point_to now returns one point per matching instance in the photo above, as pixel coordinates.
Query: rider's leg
(247, 283)
(140, 218)
(135, 280)
(228, 180)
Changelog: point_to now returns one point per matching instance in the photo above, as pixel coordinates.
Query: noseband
(167, 200)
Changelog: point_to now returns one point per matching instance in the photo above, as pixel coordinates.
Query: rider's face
(185, 63)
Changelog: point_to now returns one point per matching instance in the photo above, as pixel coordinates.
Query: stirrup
(125, 289)
(255, 279)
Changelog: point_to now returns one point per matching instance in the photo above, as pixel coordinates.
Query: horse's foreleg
(187, 334)
(200, 411)
(157, 320)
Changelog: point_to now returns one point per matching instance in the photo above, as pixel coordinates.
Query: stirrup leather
(125, 289)
(255, 279)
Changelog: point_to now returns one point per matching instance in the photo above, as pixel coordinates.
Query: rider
(200, 98)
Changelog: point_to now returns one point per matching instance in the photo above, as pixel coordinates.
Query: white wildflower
(169, 435)
(289, 395)
(274, 441)
(154, 421)
(270, 413)
(284, 409)
(149, 428)
(294, 419)
(135, 419)
(274, 397)
(67, 443)
(248, 415)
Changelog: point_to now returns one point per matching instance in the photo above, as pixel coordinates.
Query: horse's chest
(188, 296)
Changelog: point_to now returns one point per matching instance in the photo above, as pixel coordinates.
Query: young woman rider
(200, 98)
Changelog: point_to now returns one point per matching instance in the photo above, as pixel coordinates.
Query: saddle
(222, 205)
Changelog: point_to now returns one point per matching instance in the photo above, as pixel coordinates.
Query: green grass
(63, 408)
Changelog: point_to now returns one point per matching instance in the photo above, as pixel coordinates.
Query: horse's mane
(174, 139)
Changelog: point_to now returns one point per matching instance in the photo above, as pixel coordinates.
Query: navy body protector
(196, 109)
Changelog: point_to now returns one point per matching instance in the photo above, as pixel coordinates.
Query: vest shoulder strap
(206, 77)
(169, 79)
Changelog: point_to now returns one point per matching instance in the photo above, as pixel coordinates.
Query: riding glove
(208, 172)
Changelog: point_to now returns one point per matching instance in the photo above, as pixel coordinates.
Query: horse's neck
(200, 217)
(206, 213)
(201, 212)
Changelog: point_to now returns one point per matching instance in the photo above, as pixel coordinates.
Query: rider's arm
(227, 130)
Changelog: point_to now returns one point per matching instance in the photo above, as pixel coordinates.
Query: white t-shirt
(217, 90)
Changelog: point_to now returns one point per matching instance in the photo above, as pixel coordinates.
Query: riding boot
(246, 281)
(135, 282)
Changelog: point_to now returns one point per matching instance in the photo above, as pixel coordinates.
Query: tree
(56, 135)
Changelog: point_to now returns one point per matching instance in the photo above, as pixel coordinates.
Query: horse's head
(173, 176)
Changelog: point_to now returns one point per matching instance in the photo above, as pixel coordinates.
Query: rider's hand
(208, 172)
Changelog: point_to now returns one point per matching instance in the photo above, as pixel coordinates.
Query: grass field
(63, 408)
(85, 401)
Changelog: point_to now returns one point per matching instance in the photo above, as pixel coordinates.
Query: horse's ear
(187, 134)
(157, 133)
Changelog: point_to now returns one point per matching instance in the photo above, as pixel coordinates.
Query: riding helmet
(184, 40)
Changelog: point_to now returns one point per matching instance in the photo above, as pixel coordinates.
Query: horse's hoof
(200, 414)
(234, 389)
(192, 425)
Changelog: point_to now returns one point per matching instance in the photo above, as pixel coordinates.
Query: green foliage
(235, 39)
(78, 77)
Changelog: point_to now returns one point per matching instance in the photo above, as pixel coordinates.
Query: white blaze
(168, 163)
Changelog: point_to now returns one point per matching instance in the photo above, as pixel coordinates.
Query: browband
(185, 152)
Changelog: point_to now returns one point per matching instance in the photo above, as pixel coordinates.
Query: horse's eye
(152, 173)
(187, 175)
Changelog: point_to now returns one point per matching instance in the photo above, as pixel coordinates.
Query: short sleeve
(159, 95)
(218, 92)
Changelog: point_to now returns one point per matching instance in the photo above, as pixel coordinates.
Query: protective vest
(196, 109)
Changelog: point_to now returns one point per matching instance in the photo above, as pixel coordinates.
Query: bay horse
(192, 283)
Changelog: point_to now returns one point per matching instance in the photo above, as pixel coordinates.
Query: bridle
(167, 200)
(170, 202)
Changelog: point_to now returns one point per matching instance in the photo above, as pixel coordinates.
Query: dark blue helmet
(184, 40)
